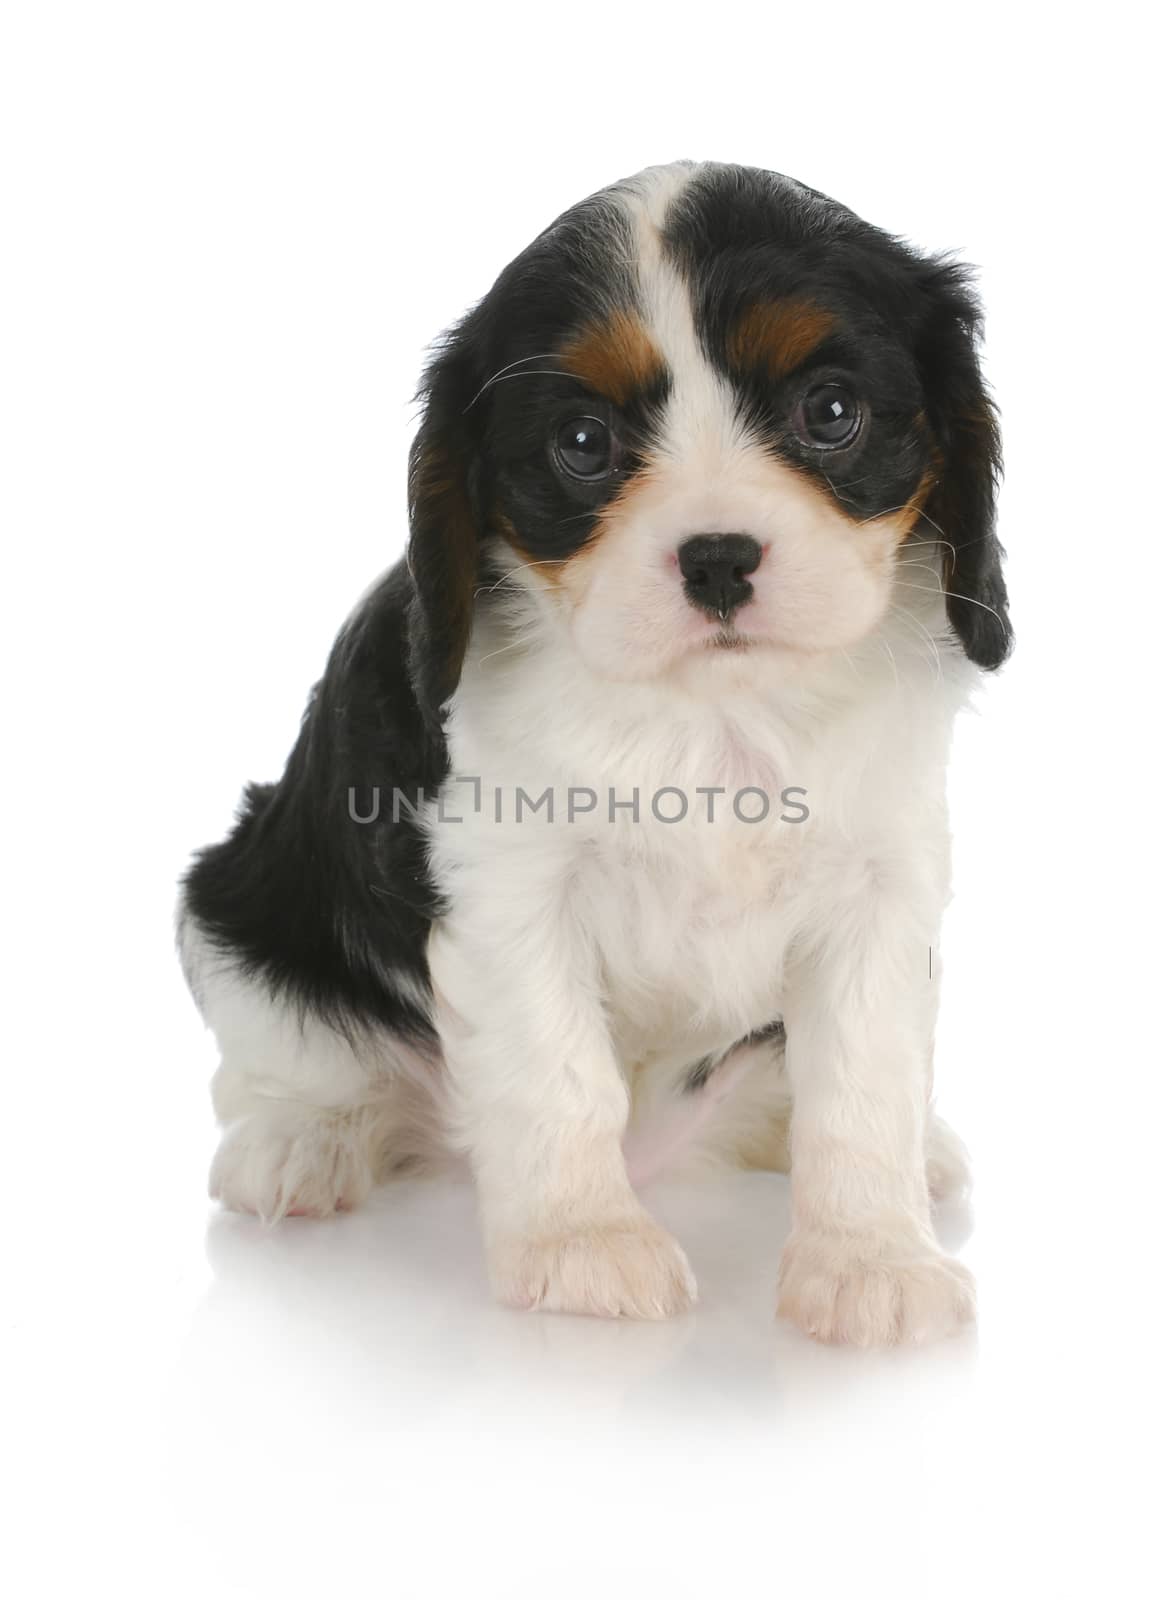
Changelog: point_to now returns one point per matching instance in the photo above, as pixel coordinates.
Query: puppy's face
(700, 416)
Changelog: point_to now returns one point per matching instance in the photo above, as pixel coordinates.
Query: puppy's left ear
(962, 505)
(443, 548)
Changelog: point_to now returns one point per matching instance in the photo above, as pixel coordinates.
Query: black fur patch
(700, 1073)
(327, 911)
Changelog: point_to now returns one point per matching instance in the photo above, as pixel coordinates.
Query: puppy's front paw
(846, 1290)
(625, 1269)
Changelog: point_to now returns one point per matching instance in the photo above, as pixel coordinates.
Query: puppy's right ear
(961, 507)
(443, 550)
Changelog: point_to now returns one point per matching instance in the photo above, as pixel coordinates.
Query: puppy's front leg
(862, 1265)
(541, 1108)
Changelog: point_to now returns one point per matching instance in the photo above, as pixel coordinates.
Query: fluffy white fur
(585, 963)
(312, 1119)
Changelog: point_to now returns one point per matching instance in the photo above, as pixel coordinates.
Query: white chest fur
(649, 831)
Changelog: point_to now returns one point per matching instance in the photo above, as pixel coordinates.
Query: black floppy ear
(962, 505)
(443, 549)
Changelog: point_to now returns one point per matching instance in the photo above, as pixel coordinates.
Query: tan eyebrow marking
(616, 357)
(777, 334)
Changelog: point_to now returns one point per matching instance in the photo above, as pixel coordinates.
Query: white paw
(844, 1290)
(298, 1163)
(625, 1269)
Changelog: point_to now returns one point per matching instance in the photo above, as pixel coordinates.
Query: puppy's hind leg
(310, 1120)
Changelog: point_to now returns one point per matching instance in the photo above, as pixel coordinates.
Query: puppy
(621, 803)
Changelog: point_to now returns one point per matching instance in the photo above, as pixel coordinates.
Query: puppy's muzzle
(715, 571)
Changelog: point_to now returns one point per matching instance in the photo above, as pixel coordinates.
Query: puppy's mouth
(729, 638)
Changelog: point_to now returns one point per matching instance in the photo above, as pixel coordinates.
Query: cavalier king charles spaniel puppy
(615, 834)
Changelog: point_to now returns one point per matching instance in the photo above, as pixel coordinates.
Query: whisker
(851, 663)
(514, 645)
(937, 530)
(891, 511)
(843, 499)
(920, 566)
(966, 544)
(952, 594)
(490, 588)
(926, 635)
(505, 377)
(542, 355)
(887, 511)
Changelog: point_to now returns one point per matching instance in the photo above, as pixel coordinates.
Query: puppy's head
(702, 414)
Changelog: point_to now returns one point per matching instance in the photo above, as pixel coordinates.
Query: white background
(229, 233)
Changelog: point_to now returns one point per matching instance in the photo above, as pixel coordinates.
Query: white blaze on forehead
(701, 413)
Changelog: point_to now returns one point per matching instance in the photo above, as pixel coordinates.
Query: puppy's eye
(827, 417)
(584, 447)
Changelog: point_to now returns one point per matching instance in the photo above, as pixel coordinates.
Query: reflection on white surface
(361, 1360)
(210, 1407)
(391, 1304)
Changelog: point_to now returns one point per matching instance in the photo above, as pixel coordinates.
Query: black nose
(714, 568)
